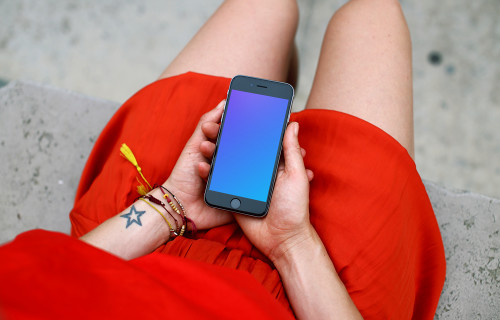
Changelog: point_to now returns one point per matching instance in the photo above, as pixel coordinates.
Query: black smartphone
(248, 148)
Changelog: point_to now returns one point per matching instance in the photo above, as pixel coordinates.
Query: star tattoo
(133, 216)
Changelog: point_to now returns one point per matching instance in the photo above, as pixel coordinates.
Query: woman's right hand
(287, 237)
(287, 223)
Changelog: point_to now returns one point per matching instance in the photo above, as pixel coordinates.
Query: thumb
(292, 151)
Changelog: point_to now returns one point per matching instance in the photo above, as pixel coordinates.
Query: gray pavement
(110, 49)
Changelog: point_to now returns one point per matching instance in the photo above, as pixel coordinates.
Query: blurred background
(111, 48)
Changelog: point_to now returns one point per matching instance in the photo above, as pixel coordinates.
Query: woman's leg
(250, 37)
(365, 67)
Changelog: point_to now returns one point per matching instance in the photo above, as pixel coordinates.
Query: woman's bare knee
(254, 37)
(370, 12)
(365, 67)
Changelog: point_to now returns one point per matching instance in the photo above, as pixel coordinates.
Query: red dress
(367, 203)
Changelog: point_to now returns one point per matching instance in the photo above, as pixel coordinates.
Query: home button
(235, 203)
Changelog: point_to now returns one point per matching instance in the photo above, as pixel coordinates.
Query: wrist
(159, 222)
(170, 220)
(176, 196)
(312, 284)
(297, 247)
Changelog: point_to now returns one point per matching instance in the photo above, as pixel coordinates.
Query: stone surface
(112, 48)
(457, 101)
(470, 226)
(46, 135)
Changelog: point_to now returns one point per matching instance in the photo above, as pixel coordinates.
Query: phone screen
(248, 145)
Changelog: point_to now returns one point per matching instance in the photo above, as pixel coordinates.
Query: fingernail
(220, 105)
(296, 129)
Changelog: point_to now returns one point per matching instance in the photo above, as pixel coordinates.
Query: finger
(310, 175)
(203, 170)
(292, 150)
(281, 166)
(207, 149)
(303, 151)
(210, 130)
(215, 114)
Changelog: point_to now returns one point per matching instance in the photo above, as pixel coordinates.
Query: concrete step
(46, 135)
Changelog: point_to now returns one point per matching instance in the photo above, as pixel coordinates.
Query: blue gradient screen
(248, 145)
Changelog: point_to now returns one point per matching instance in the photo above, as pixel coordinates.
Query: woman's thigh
(365, 67)
(251, 37)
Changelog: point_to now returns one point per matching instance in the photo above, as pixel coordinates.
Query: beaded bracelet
(184, 217)
(164, 218)
(158, 202)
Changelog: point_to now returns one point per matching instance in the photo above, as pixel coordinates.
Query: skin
(364, 70)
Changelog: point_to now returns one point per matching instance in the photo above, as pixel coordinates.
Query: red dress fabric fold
(48, 275)
(367, 203)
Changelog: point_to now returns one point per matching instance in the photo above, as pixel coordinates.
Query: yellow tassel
(127, 154)
(141, 189)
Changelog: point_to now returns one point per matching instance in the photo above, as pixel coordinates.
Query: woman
(352, 235)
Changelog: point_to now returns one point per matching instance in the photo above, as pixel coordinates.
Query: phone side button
(235, 203)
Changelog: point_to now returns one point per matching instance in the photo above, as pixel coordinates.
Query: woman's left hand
(185, 181)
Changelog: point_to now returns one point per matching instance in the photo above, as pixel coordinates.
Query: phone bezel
(264, 87)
